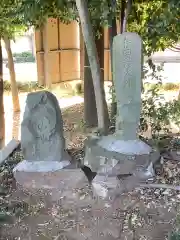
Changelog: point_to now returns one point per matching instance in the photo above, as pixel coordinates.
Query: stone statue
(42, 128)
(127, 68)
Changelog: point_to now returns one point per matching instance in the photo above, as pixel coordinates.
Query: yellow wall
(60, 53)
(58, 48)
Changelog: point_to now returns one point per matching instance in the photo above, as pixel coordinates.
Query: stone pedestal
(118, 157)
(57, 179)
(47, 167)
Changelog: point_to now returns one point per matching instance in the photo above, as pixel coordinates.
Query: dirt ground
(144, 214)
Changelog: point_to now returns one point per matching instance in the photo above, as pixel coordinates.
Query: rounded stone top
(40, 166)
(129, 147)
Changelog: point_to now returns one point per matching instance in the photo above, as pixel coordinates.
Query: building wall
(58, 52)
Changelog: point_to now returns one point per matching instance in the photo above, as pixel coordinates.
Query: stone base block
(110, 187)
(104, 187)
(56, 178)
(113, 156)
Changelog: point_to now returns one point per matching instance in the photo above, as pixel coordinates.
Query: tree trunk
(122, 16)
(100, 50)
(2, 120)
(94, 63)
(127, 12)
(30, 38)
(14, 89)
(48, 81)
(179, 94)
(82, 54)
(112, 34)
(90, 111)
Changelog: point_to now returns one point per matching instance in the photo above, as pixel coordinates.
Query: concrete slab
(8, 149)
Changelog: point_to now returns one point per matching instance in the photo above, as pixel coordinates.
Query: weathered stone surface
(57, 183)
(127, 66)
(98, 158)
(47, 166)
(110, 186)
(42, 129)
(40, 166)
(124, 149)
(129, 147)
(105, 186)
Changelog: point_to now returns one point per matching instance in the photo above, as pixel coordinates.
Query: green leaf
(5, 218)
(175, 236)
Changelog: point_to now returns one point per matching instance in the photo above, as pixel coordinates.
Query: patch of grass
(7, 86)
(170, 86)
(78, 89)
(24, 87)
(68, 89)
(164, 87)
(22, 57)
(175, 236)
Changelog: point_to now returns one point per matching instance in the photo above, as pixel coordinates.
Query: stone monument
(42, 129)
(47, 165)
(123, 152)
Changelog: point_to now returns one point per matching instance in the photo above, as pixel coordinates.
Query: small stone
(104, 186)
(167, 192)
(127, 235)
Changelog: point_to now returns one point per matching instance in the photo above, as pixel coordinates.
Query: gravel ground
(145, 213)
